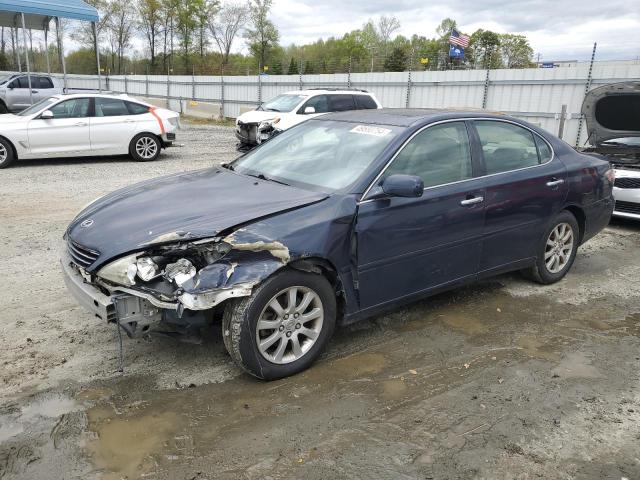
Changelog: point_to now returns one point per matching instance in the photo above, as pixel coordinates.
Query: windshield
(5, 78)
(282, 103)
(328, 155)
(36, 107)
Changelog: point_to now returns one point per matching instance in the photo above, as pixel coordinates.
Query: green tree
(293, 67)
(516, 51)
(485, 49)
(226, 25)
(263, 35)
(396, 61)
(150, 24)
(308, 68)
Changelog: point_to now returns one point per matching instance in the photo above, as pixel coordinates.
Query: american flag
(459, 39)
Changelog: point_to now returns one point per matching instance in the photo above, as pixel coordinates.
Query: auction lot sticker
(369, 130)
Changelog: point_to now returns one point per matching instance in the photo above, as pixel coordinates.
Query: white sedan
(82, 125)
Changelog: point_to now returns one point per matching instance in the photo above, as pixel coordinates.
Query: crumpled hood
(257, 116)
(611, 111)
(190, 205)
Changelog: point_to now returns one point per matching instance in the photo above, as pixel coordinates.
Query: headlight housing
(122, 271)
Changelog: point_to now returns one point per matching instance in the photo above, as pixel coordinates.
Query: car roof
(406, 117)
(324, 91)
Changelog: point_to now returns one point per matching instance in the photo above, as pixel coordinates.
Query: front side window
(110, 107)
(74, 108)
(323, 155)
(439, 155)
(282, 103)
(506, 146)
(37, 107)
(341, 103)
(319, 102)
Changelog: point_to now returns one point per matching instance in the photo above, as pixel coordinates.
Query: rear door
(43, 88)
(412, 245)
(525, 187)
(341, 102)
(18, 96)
(67, 133)
(112, 126)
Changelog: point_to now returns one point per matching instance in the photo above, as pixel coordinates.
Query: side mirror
(308, 110)
(399, 185)
(46, 115)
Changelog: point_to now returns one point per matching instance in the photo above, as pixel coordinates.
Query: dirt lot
(505, 379)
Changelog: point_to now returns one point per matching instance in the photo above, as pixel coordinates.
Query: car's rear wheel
(6, 153)
(283, 327)
(145, 147)
(557, 251)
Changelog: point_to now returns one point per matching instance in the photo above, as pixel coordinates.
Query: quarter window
(110, 107)
(136, 108)
(365, 102)
(506, 146)
(544, 152)
(439, 155)
(74, 108)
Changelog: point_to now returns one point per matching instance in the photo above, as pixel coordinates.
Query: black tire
(138, 154)
(541, 272)
(7, 156)
(3, 108)
(240, 320)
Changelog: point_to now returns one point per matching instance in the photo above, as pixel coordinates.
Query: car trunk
(612, 114)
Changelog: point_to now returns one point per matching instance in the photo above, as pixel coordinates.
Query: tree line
(202, 37)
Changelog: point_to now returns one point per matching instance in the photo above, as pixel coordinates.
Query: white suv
(292, 108)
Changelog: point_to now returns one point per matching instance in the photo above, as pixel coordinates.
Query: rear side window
(364, 102)
(44, 82)
(136, 108)
(439, 155)
(341, 103)
(506, 146)
(110, 107)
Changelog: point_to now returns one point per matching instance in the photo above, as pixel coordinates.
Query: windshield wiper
(262, 176)
(272, 110)
(228, 166)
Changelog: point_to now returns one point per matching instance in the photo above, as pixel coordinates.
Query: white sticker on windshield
(369, 130)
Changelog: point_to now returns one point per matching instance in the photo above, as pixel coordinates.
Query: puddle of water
(394, 388)
(124, 443)
(465, 323)
(355, 365)
(533, 347)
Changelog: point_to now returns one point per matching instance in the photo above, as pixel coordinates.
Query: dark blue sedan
(336, 219)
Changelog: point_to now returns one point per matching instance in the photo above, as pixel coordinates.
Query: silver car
(612, 113)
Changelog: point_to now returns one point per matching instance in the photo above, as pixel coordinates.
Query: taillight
(611, 175)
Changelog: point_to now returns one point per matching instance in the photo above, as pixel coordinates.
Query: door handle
(471, 201)
(555, 183)
(128, 120)
(81, 124)
(34, 91)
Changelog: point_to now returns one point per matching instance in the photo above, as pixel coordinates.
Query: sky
(556, 29)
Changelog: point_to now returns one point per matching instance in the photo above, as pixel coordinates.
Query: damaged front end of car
(179, 283)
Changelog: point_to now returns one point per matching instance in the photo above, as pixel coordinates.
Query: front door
(526, 187)
(407, 246)
(67, 133)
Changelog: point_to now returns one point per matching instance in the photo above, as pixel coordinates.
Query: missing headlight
(180, 271)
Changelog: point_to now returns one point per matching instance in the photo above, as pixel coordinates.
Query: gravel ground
(505, 379)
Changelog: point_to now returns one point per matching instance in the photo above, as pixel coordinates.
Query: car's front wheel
(283, 327)
(557, 250)
(145, 147)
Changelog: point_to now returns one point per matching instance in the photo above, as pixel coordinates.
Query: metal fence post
(126, 86)
(408, 97)
(193, 83)
(586, 90)
(485, 94)
(349, 74)
(259, 88)
(563, 116)
(222, 96)
(300, 74)
(146, 83)
(168, 87)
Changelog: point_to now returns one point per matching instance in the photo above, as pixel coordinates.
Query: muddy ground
(502, 380)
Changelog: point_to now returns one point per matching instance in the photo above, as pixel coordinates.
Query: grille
(627, 182)
(80, 255)
(628, 207)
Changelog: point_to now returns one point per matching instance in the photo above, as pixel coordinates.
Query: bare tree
(84, 33)
(225, 26)
(150, 22)
(121, 28)
(386, 27)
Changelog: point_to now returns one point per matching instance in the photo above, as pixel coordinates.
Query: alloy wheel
(4, 154)
(146, 147)
(289, 325)
(558, 248)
